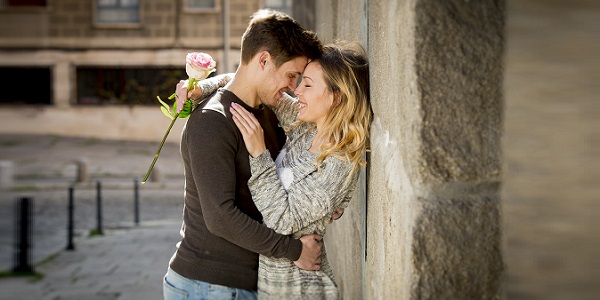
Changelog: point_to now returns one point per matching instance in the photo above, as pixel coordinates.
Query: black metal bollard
(24, 208)
(136, 201)
(99, 208)
(70, 222)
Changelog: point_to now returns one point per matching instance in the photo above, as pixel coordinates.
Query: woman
(316, 172)
(327, 127)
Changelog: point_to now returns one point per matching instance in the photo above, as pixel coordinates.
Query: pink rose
(199, 65)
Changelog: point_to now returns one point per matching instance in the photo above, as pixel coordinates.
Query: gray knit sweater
(294, 198)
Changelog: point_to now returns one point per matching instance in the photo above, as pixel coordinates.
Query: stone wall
(433, 227)
(104, 122)
(346, 238)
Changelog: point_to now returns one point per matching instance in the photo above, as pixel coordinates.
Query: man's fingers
(316, 236)
(309, 267)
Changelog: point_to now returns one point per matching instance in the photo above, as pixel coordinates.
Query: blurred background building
(76, 66)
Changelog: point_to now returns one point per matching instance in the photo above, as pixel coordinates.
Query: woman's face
(314, 98)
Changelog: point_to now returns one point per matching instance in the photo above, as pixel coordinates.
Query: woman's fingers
(239, 121)
(251, 130)
(241, 118)
(181, 94)
(249, 117)
(242, 112)
(245, 118)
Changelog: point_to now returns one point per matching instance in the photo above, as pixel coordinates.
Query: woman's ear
(337, 98)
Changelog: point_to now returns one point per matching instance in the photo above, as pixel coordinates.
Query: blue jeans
(177, 287)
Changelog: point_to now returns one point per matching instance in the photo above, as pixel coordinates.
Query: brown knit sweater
(222, 231)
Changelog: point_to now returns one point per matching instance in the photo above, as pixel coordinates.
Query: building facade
(94, 67)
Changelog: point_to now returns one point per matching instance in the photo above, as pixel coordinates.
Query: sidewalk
(127, 261)
(123, 264)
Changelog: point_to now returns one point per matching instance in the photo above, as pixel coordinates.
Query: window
(117, 11)
(278, 4)
(23, 3)
(126, 85)
(26, 2)
(16, 79)
(201, 5)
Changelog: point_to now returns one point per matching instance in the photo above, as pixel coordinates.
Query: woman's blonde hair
(346, 127)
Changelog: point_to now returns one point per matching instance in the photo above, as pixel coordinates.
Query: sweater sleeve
(286, 111)
(212, 145)
(210, 85)
(310, 197)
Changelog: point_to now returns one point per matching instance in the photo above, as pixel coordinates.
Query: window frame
(280, 8)
(21, 71)
(99, 81)
(117, 25)
(5, 7)
(187, 9)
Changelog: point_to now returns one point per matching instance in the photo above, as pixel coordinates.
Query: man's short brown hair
(280, 35)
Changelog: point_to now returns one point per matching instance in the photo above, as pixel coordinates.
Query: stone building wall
(481, 176)
(64, 36)
(163, 23)
(431, 226)
(346, 239)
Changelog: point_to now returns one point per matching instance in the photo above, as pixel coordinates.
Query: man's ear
(264, 58)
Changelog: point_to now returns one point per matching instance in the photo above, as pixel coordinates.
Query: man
(222, 232)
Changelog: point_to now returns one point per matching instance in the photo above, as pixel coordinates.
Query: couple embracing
(266, 172)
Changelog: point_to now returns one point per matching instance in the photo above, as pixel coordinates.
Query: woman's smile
(301, 104)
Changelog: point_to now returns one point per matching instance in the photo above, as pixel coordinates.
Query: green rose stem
(159, 148)
(184, 113)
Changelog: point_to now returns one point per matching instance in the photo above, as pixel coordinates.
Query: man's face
(280, 80)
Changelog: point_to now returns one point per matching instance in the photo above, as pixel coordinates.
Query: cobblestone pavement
(129, 259)
(125, 263)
